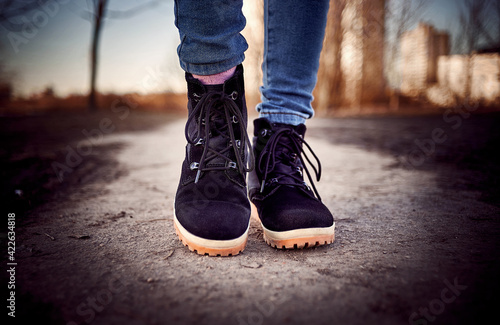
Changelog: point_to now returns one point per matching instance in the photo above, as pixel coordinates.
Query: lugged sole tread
(300, 243)
(223, 252)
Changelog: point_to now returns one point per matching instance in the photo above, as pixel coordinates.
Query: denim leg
(210, 35)
(294, 32)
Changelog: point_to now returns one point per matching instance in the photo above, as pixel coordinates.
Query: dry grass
(41, 103)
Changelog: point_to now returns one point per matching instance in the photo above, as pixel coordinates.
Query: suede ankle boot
(290, 211)
(211, 210)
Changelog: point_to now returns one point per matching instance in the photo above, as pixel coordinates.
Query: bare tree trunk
(328, 89)
(497, 14)
(338, 34)
(100, 12)
(474, 20)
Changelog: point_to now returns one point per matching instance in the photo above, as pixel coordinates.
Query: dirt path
(414, 245)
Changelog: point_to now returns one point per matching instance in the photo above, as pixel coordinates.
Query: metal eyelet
(200, 142)
(232, 164)
(196, 97)
(264, 132)
(307, 186)
(238, 143)
(194, 166)
(300, 171)
(234, 95)
(235, 119)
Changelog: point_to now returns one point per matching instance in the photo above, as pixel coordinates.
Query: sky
(443, 14)
(137, 54)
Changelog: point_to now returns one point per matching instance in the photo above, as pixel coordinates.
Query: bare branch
(10, 9)
(474, 19)
(87, 15)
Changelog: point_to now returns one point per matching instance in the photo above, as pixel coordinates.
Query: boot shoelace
(273, 155)
(218, 112)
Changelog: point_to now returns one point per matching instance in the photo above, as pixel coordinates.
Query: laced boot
(211, 210)
(291, 212)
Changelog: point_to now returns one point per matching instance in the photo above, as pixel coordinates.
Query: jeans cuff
(284, 117)
(211, 68)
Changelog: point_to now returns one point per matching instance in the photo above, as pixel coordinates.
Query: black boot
(212, 212)
(291, 213)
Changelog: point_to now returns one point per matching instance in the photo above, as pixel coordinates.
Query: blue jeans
(294, 29)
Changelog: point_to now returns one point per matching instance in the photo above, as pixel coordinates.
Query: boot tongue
(219, 128)
(263, 123)
(214, 88)
(300, 129)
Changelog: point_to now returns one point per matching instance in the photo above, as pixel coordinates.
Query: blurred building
(430, 72)
(474, 76)
(420, 50)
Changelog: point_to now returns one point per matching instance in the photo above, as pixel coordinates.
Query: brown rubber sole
(300, 238)
(298, 243)
(210, 247)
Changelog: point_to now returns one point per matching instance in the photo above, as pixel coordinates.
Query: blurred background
(378, 56)
(92, 115)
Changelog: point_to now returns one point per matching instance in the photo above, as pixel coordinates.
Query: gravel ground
(417, 215)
